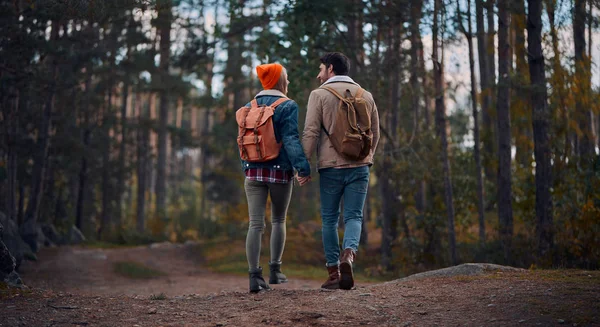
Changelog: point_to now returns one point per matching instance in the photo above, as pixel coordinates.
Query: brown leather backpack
(256, 133)
(351, 135)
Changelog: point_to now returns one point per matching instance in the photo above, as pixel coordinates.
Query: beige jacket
(321, 107)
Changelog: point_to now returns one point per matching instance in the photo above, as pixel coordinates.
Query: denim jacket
(285, 121)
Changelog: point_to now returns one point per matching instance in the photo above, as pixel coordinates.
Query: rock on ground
(465, 269)
(7, 265)
(76, 236)
(13, 241)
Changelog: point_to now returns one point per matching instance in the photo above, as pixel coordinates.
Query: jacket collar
(271, 92)
(340, 78)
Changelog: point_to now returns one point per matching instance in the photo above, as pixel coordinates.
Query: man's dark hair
(339, 61)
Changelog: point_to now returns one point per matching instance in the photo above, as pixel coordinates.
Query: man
(340, 177)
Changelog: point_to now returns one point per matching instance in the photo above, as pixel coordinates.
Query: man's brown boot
(346, 275)
(333, 282)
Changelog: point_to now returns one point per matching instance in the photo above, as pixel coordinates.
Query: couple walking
(343, 161)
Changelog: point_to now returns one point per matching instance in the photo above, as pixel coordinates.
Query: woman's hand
(303, 180)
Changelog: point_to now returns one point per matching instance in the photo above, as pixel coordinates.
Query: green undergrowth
(7, 292)
(106, 245)
(135, 270)
(158, 297)
(229, 257)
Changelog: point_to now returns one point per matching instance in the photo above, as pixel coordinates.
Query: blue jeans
(352, 184)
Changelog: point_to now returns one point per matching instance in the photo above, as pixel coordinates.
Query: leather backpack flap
(341, 125)
(256, 118)
(363, 114)
(240, 114)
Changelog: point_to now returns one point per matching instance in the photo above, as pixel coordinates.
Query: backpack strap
(278, 102)
(359, 92)
(241, 134)
(254, 103)
(332, 90)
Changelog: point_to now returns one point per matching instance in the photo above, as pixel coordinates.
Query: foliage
(158, 297)
(135, 270)
(106, 59)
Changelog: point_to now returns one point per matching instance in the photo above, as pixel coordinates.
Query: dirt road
(74, 286)
(90, 271)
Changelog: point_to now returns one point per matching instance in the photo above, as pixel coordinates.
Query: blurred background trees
(117, 118)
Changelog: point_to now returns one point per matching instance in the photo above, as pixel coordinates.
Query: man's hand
(303, 180)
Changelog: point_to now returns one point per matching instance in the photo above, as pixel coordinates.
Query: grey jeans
(256, 194)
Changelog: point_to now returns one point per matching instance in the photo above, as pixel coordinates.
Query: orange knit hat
(269, 74)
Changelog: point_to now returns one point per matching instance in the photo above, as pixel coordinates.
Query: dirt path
(77, 287)
(90, 271)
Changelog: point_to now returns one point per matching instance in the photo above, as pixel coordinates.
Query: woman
(273, 177)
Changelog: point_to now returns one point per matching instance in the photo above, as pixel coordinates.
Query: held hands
(303, 180)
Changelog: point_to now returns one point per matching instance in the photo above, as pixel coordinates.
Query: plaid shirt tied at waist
(269, 175)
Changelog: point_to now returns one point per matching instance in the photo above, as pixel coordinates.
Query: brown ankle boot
(333, 282)
(346, 274)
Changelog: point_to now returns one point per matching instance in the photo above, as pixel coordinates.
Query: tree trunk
(107, 190)
(21, 204)
(83, 168)
(15, 104)
(234, 88)
(491, 52)
(593, 113)
(393, 124)
(356, 39)
(489, 129)
(417, 74)
(205, 133)
(505, 214)
(440, 119)
(164, 26)
(582, 83)
(415, 49)
(143, 136)
(520, 99)
(204, 165)
(48, 197)
(482, 49)
(122, 153)
(387, 212)
(426, 99)
(476, 147)
(562, 115)
(28, 229)
(541, 122)
(12, 182)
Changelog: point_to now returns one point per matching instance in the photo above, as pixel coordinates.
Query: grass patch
(568, 276)
(136, 270)
(105, 245)
(7, 292)
(158, 297)
(230, 257)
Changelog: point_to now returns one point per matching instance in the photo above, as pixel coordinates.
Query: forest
(117, 121)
